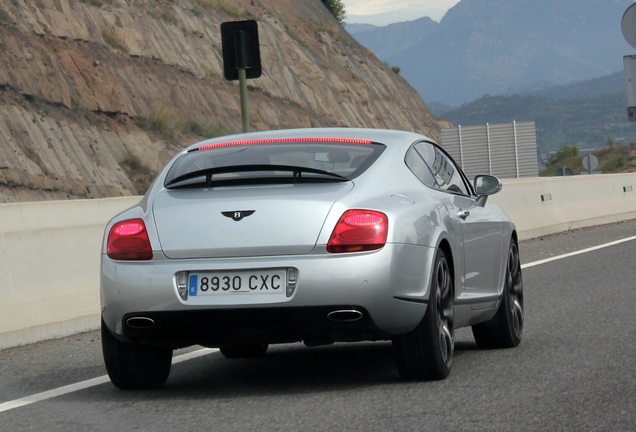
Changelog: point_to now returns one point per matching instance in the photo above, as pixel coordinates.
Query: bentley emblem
(237, 215)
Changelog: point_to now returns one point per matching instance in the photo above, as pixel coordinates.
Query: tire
(133, 366)
(243, 351)
(505, 329)
(426, 353)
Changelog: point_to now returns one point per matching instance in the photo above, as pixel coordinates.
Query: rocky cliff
(97, 95)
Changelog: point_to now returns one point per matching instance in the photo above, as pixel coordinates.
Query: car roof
(391, 138)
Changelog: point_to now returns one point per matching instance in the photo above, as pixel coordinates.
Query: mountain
(384, 41)
(504, 46)
(588, 89)
(586, 114)
(97, 95)
(359, 28)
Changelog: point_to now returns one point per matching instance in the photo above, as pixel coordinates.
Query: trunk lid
(243, 221)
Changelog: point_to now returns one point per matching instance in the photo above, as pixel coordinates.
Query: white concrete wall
(49, 267)
(541, 206)
(50, 251)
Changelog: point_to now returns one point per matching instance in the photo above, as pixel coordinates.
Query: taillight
(128, 240)
(358, 231)
(285, 141)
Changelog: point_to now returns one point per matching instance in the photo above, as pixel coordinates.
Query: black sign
(240, 49)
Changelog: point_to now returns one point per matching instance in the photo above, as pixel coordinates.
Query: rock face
(97, 95)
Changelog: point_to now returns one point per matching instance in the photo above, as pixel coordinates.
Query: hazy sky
(383, 12)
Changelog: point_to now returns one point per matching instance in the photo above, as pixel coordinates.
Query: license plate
(270, 281)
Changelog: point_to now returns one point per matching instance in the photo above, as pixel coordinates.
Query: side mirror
(487, 185)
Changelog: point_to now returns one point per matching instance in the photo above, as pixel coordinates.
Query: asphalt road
(574, 371)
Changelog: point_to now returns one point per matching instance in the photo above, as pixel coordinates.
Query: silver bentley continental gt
(312, 235)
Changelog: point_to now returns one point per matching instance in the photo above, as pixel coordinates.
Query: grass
(219, 5)
(192, 127)
(133, 164)
(167, 124)
(4, 17)
(162, 123)
(614, 159)
(335, 33)
(140, 175)
(111, 39)
(96, 3)
(168, 18)
(326, 28)
(395, 69)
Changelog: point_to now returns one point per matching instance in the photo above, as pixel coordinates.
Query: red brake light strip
(285, 141)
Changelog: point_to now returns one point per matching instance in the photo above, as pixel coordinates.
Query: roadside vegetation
(395, 69)
(170, 125)
(139, 174)
(113, 40)
(337, 9)
(96, 3)
(219, 5)
(615, 158)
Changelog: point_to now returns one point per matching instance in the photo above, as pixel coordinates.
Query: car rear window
(262, 161)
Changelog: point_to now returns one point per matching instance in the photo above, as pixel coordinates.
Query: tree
(566, 152)
(337, 9)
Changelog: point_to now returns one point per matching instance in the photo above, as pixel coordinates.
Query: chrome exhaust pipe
(140, 323)
(345, 315)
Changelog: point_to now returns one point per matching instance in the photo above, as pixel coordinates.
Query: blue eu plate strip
(192, 286)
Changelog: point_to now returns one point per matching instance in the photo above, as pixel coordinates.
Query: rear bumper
(387, 287)
(213, 328)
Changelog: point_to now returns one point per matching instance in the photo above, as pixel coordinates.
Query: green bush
(169, 124)
(219, 5)
(337, 9)
(566, 152)
(96, 3)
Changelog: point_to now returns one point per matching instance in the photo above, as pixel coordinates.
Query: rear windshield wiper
(296, 171)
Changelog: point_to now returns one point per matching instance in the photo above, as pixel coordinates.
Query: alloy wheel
(445, 312)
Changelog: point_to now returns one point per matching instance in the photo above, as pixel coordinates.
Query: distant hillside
(385, 41)
(359, 28)
(585, 114)
(503, 46)
(614, 83)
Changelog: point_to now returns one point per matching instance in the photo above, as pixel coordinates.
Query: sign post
(241, 58)
(245, 112)
(590, 163)
(628, 27)
(629, 65)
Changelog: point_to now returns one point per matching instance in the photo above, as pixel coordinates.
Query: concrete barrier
(49, 267)
(49, 251)
(547, 205)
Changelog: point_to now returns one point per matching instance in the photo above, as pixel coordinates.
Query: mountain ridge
(587, 114)
(492, 46)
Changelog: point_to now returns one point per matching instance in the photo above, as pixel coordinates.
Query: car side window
(418, 167)
(447, 176)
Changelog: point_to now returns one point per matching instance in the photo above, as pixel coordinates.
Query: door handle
(463, 214)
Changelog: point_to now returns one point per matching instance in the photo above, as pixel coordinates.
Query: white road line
(38, 397)
(579, 252)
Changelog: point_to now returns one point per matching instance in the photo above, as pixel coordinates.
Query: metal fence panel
(506, 150)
